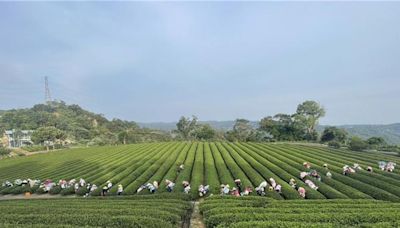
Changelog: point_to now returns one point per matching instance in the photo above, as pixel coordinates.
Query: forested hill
(79, 125)
(390, 132)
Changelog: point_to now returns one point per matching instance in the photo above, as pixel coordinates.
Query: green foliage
(295, 127)
(76, 124)
(282, 127)
(378, 141)
(208, 163)
(252, 212)
(186, 174)
(189, 129)
(4, 151)
(357, 144)
(205, 132)
(34, 148)
(47, 135)
(211, 174)
(308, 113)
(242, 131)
(197, 177)
(138, 211)
(333, 134)
(334, 144)
(186, 126)
(360, 181)
(390, 148)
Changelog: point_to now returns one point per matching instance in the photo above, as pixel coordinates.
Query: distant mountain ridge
(390, 132)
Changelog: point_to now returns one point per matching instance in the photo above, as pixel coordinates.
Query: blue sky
(152, 61)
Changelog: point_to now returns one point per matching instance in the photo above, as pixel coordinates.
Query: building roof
(10, 132)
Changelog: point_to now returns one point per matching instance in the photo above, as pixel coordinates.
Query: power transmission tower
(47, 96)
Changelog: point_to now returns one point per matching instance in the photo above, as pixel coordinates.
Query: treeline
(299, 126)
(57, 124)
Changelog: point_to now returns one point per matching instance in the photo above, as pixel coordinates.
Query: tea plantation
(256, 212)
(212, 164)
(358, 199)
(135, 211)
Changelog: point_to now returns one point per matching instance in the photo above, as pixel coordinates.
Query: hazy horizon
(154, 62)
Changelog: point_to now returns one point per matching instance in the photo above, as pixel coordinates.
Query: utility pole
(47, 96)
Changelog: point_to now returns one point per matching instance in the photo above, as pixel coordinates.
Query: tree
(204, 132)
(282, 127)
(357, 144)
(259, 136)
(333, 134)
(241, 131)
(377, 141)
(123, 136)
(309, 113)
(186, 126)
(47, 136)
(269, 125)
(117, 125)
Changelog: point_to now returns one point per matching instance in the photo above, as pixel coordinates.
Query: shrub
(67, 191)
(55, 190)
(357, 144)
(4, 151)
(334, 144)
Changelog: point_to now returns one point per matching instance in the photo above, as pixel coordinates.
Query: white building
(18, 138)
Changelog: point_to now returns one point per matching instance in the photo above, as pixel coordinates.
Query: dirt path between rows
(196, 220)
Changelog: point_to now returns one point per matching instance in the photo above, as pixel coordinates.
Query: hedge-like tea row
(197, 177)
(293, 172)
(300, 156)
(287, 191)
(186, 174)
(210, 174)
(167, 157)
(211, 163)
(224, 174)
(251, 212)
(151, 211)
(354, 180)
(366, 158)
(391, 178)
(285, 160)
(172, 173)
